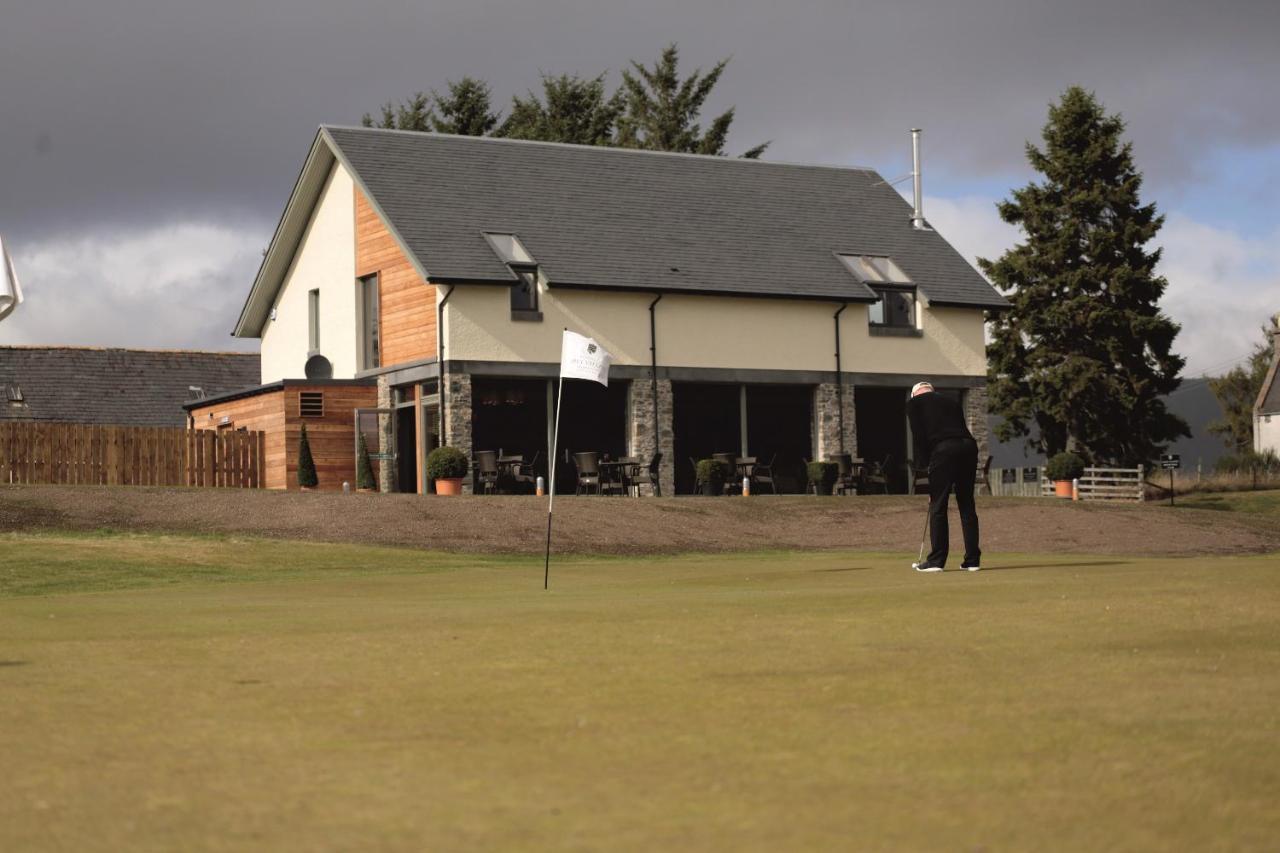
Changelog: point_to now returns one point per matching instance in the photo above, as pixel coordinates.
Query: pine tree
(465, 111)
(1085, 354)
(307, 478)
(364, 469)
(414, 114)
(1237, 391)
(661, 110)
(571, 110)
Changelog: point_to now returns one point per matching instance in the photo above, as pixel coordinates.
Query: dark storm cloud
(126, 111)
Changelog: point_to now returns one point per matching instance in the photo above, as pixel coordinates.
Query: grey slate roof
(1269, 404)
(607, 217)
(116, 386)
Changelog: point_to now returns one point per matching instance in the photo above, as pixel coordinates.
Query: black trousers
(953, 464)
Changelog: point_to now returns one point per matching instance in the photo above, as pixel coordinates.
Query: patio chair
(763, 475)
(730, 461)
(526, 473)
(588, 465)
(983, 480)
(878, 477)
(697, 481)
(487, 470)
(649, 476)
(919, 479)
(846, 480)
(615, 478)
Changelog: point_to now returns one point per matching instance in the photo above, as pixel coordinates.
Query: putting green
(161, 693)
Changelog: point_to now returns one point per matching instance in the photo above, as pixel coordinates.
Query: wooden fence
(86, 454)
(1108, 484)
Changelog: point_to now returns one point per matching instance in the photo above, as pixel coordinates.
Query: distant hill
(1193, 402)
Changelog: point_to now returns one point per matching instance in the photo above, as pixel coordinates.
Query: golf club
(923, 535)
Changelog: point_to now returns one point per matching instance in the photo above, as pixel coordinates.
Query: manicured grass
(350, 698)
(1258, 503)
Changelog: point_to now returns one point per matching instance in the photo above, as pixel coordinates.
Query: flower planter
(449, 486)
(1062, 488)
(713, 489)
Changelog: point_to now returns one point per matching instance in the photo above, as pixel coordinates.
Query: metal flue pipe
(917, 216)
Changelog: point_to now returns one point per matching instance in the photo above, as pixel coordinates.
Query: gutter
(440, 359)
(839, 378)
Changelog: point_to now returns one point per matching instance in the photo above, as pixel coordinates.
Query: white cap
(921, 388)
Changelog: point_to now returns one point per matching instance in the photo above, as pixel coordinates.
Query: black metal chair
(526, 473)
(649, 476)
(487, 470)
(919, 479)
(762, 475)
(730, 461)
(878, 477)
(846, 478)
(588, 465)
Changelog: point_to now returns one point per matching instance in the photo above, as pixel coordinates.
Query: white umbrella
(10, 290)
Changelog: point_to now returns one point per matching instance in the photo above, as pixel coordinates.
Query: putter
(923, 535)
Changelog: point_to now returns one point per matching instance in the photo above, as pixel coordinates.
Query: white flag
(583, 358)
(10, 290)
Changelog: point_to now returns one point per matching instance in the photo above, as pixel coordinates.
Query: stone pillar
(457, 421)
(826, 416)
(640, 434)
(975, 415)
(386, 446)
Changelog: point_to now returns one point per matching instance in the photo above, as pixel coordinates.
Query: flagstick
(555, 441)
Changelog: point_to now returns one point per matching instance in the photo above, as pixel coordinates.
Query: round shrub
(447, 463)
(1064, 466)
(822, 475)
(713, 472)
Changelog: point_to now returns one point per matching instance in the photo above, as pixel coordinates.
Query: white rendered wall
(711, 331)
(1266, 436)
(326, 259)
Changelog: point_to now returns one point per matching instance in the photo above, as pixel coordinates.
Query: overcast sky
(147, 147)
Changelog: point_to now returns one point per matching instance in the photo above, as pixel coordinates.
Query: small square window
(895, 308)
(524, 293)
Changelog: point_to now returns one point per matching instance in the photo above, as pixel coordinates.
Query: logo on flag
(10, 291)
(583, 358)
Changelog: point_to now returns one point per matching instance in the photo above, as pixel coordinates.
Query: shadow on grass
(1053, 565)
(4, 663)
(847, 569)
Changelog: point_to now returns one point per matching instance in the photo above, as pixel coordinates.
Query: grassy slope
(746, 702)
(1266, 503)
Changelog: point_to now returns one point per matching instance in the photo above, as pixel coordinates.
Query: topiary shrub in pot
(448, 466)
(1062, 468)
(307, 478)
(364, 469)
(822, 476)
(712, 473)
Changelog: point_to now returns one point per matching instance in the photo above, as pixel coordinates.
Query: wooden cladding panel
(332, 437)
(407, 304)
(262, 412)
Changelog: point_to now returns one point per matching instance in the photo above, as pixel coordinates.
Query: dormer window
(894, 311)
(524, 290)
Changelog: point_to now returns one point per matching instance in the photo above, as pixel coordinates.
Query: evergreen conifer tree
(661, 110)
(571, 110)
(465, 110)
(307, 478)
(1237, 391)
(364, 469)
(1084, 355)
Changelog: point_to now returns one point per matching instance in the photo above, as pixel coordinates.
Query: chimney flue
(917, 217)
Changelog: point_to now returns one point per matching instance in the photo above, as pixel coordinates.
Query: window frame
(912, 327)
(532, 310)
(313, 321)
(370, 295)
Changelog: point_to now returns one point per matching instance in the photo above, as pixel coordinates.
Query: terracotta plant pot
(449, 486)
(1062, 488)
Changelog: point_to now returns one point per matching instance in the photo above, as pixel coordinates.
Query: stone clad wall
(640, 434)
(457, 422)
(826, 415)
(975, 414)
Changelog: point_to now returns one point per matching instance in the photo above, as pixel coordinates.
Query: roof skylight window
(509, 248)
(875, 269)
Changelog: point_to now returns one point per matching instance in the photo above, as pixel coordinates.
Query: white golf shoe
(925, 567)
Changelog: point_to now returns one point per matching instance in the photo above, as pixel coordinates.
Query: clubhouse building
(417, 285)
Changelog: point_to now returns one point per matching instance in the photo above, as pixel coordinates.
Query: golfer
(941, 437)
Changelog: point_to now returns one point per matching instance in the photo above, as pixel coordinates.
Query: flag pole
(555, 442)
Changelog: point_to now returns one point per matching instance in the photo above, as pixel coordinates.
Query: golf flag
(10, 290)
(580, 358)
(583, 358)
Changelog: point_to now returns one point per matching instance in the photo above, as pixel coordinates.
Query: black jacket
(934, 418)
